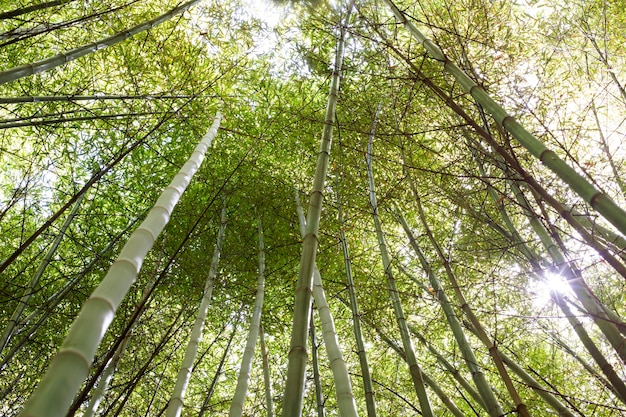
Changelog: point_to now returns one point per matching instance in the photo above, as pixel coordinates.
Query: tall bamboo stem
(177, 399)
(414, 368)
(71, 364)
(294, 387)
(236, 406)
(596, 199)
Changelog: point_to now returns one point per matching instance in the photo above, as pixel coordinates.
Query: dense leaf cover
(539, 269)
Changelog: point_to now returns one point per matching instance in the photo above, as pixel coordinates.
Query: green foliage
(552, 66)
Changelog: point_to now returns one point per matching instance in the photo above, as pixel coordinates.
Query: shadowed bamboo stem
(493, 407)
(34, 282)
(269, 403)
(356, 315)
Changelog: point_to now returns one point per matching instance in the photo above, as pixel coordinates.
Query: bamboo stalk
(294, 387)
(269, 402)
(25, 70)
(71, 364)
(177, 399)
(368, 388)
(596, 199)
(34, 282)
(414, 368)
(317, 380)
(493, 406)
(236, 406)
(343, 387)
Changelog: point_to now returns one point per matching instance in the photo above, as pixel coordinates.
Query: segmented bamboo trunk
(596, 199)
(60, 59)
(294, 387)
(415, 371)
(71, 364)
(343, 386)
(493, 406)
(356, 315)
(236, 406)
(177, 400)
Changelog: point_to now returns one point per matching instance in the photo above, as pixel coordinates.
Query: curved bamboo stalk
(368, 388)
(294, 387)
(269, 402)
(104, 97)
(493, 406)
(236, 406)
(596, 199)
(25, 70)
(491, 347)
(71, 364)
(34, 282)
(177, 400)
(343, 387)
(414, 368)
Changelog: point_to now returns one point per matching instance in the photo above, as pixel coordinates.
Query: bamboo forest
(312, 208)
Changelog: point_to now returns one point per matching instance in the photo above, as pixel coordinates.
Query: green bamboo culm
(177, 400)
(269, 402)
(241, 391)
(414, 368)
(25, 70)
(592, 196)
(489, 399)
(370, 401)
(70, 366)
(294, 387)
(343, 386)
(14, 321)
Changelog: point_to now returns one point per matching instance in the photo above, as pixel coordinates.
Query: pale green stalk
(356, 315)
(107, 374)
(414, 369)
(596, 199)
(177, 400)
(60, 59)
(70, 366)
(269, 403)
(294, 386)
(236, 406)
(34, 282)
(343, 386)
(493, 406)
